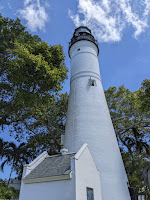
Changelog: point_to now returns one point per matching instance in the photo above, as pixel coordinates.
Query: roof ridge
(60, 155)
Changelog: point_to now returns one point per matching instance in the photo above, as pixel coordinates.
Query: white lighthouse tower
(88, 118)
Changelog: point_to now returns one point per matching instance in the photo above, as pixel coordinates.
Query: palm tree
(2, 147)
(15, 156)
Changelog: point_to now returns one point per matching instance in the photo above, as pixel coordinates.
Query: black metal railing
(82, 36)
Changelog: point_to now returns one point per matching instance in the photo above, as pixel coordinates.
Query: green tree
(31, 77)
(144, 96)
(8, 193)
(49, 126)
(130, 113)
(31, 106)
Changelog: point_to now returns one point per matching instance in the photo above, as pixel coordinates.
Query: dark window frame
(92, 82)
(90, 193)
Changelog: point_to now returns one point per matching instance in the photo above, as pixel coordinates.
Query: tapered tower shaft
(88, 118)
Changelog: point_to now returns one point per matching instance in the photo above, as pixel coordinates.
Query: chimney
(63, 151)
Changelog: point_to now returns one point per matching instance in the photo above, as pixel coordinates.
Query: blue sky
(122, 28)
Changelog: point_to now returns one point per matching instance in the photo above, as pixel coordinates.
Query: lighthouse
(88, 117)
(90, 166)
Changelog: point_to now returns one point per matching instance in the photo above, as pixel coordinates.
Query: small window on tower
(78, 49)
(92, 82)
(90, 193)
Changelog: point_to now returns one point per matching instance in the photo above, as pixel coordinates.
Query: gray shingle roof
(52, 166)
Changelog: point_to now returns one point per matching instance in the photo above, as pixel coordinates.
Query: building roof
(52, 166)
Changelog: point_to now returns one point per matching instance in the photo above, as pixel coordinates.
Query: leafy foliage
(31, 106)
(31, 75)
(8, 193)
(49, 126)
(15, 156)
(130, 113)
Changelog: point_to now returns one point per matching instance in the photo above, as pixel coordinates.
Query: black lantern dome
(82, 33)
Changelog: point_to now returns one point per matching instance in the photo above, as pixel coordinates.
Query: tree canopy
(130, 113)
(8, 193)
(31, 76)
(32, 108)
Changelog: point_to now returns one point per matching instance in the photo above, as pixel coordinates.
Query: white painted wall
(88, 121)
(58, 190)
(55, 190)
(86, 175)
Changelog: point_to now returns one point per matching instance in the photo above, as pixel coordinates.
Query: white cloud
(109, 18)
(34, 14)
(132, 18)
(147, 7)
(26, 2)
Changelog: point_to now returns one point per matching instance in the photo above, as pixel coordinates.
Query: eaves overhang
(48, 179)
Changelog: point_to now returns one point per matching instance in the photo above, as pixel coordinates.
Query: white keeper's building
(92, 168)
